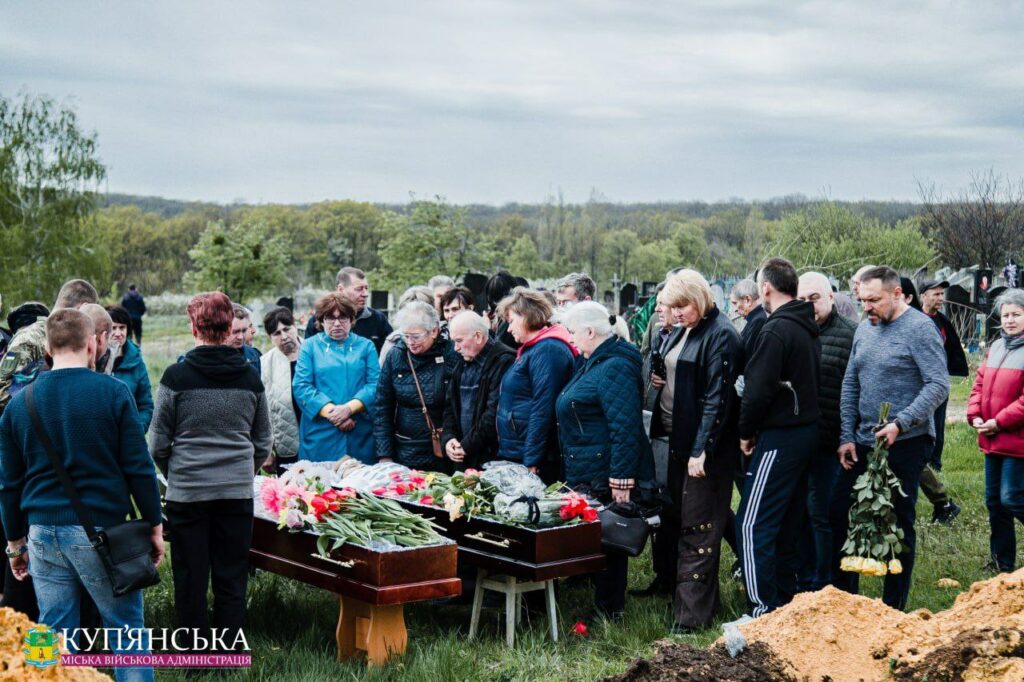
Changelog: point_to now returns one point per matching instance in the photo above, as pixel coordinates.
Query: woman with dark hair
(277, 371)
(497, 288)
(454, 301)
(129, 366)
(527, 431)
(910, 293)
(335, 384)
(211, 433)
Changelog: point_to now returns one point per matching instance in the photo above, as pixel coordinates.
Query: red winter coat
(999, 393)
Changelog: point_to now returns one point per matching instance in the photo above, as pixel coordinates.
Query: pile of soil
(839, 637)
(13, 626)
(985, 654)
(834, 635)
(684, 663)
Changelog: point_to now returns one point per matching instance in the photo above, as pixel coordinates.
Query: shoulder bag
(123, 549)
(435, 433)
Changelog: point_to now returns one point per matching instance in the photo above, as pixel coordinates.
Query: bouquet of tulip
(368, 519)
(464, 493)
(298, 504)
(874, 539)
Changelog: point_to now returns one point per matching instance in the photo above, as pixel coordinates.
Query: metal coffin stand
(372, 586)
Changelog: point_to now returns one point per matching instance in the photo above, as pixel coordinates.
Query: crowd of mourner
(779, 398)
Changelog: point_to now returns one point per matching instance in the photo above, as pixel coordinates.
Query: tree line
(55, 222)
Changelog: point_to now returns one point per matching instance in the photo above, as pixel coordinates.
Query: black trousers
(703, 514)
(610, 584)
(906, 459)
(210, 540)
(135, 330)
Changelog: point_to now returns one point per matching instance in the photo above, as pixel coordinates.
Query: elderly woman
(996, 411)
(277, 370)
(335, 383)
(418, 293)
(600, 426)
(527, 432)
(412, 391)
(696, 414)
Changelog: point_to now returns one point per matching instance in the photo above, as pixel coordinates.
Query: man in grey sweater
(897, 358)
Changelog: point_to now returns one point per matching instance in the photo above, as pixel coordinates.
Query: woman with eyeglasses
(412, 391)
(335, 383)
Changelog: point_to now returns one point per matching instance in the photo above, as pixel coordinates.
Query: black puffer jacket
(399, 426)
(781, 375)
(836, 340)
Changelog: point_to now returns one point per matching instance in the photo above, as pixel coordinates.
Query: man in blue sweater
(94, 426)
(896, 358)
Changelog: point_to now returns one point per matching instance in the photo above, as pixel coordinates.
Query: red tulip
(590, 514)
(580, 628)
(379, 491)
(319, 506)
(426, 499)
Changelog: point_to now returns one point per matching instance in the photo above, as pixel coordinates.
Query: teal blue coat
(331, 372)
(131, 369)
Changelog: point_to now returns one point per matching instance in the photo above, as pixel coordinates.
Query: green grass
(291, 627)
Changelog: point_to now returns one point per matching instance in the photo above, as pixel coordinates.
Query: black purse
(624, 528)
(123, 549)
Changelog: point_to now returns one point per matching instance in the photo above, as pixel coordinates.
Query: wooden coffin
(375, 577)
(527, 553)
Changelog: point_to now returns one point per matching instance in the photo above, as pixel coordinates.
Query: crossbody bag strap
(65, 480)
(419, 391)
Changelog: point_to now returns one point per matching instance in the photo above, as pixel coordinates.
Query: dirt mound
(988, 654)
(834, 635)
(683, 663)
(13, 626)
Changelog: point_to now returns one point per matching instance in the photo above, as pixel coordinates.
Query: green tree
(434, 239)
(241, 260)
(49, 176)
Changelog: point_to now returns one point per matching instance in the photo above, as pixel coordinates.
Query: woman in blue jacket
(526, 407)
(129, 366)
(601, 429)
(335, 383)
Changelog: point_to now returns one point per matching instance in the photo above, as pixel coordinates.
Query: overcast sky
(496, 101)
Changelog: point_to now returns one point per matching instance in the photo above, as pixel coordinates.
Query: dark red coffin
(376, 577)
(527, 553)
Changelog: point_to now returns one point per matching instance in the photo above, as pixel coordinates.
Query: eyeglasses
(415, 338)
(336, 320)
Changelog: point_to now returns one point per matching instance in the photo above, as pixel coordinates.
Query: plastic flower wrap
(874, 539)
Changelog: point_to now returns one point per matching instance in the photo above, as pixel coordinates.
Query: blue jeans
(62, 562)
(1004, 497)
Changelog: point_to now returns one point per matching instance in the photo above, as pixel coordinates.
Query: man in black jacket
(470, 434)
(933, 296)
(778, 429)
(748, 304)
(370, 323)
(836, 341)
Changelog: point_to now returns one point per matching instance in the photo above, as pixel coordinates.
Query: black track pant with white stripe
(771, 509)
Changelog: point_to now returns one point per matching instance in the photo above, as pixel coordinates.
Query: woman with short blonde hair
(688, 287)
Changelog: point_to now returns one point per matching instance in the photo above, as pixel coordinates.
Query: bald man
(104, 325)
(836, 336)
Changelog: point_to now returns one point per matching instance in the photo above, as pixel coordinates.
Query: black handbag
(123, 549)
(624, 528)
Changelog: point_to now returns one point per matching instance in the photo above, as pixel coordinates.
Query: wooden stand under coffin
(534, 554)
(372, 585)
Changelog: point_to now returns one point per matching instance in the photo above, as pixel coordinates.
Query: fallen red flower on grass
(580, 628)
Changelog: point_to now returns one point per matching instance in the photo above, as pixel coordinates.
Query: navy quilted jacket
(526, 406)
(600, 424)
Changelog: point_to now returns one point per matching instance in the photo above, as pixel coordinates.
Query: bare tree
(981, 225)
